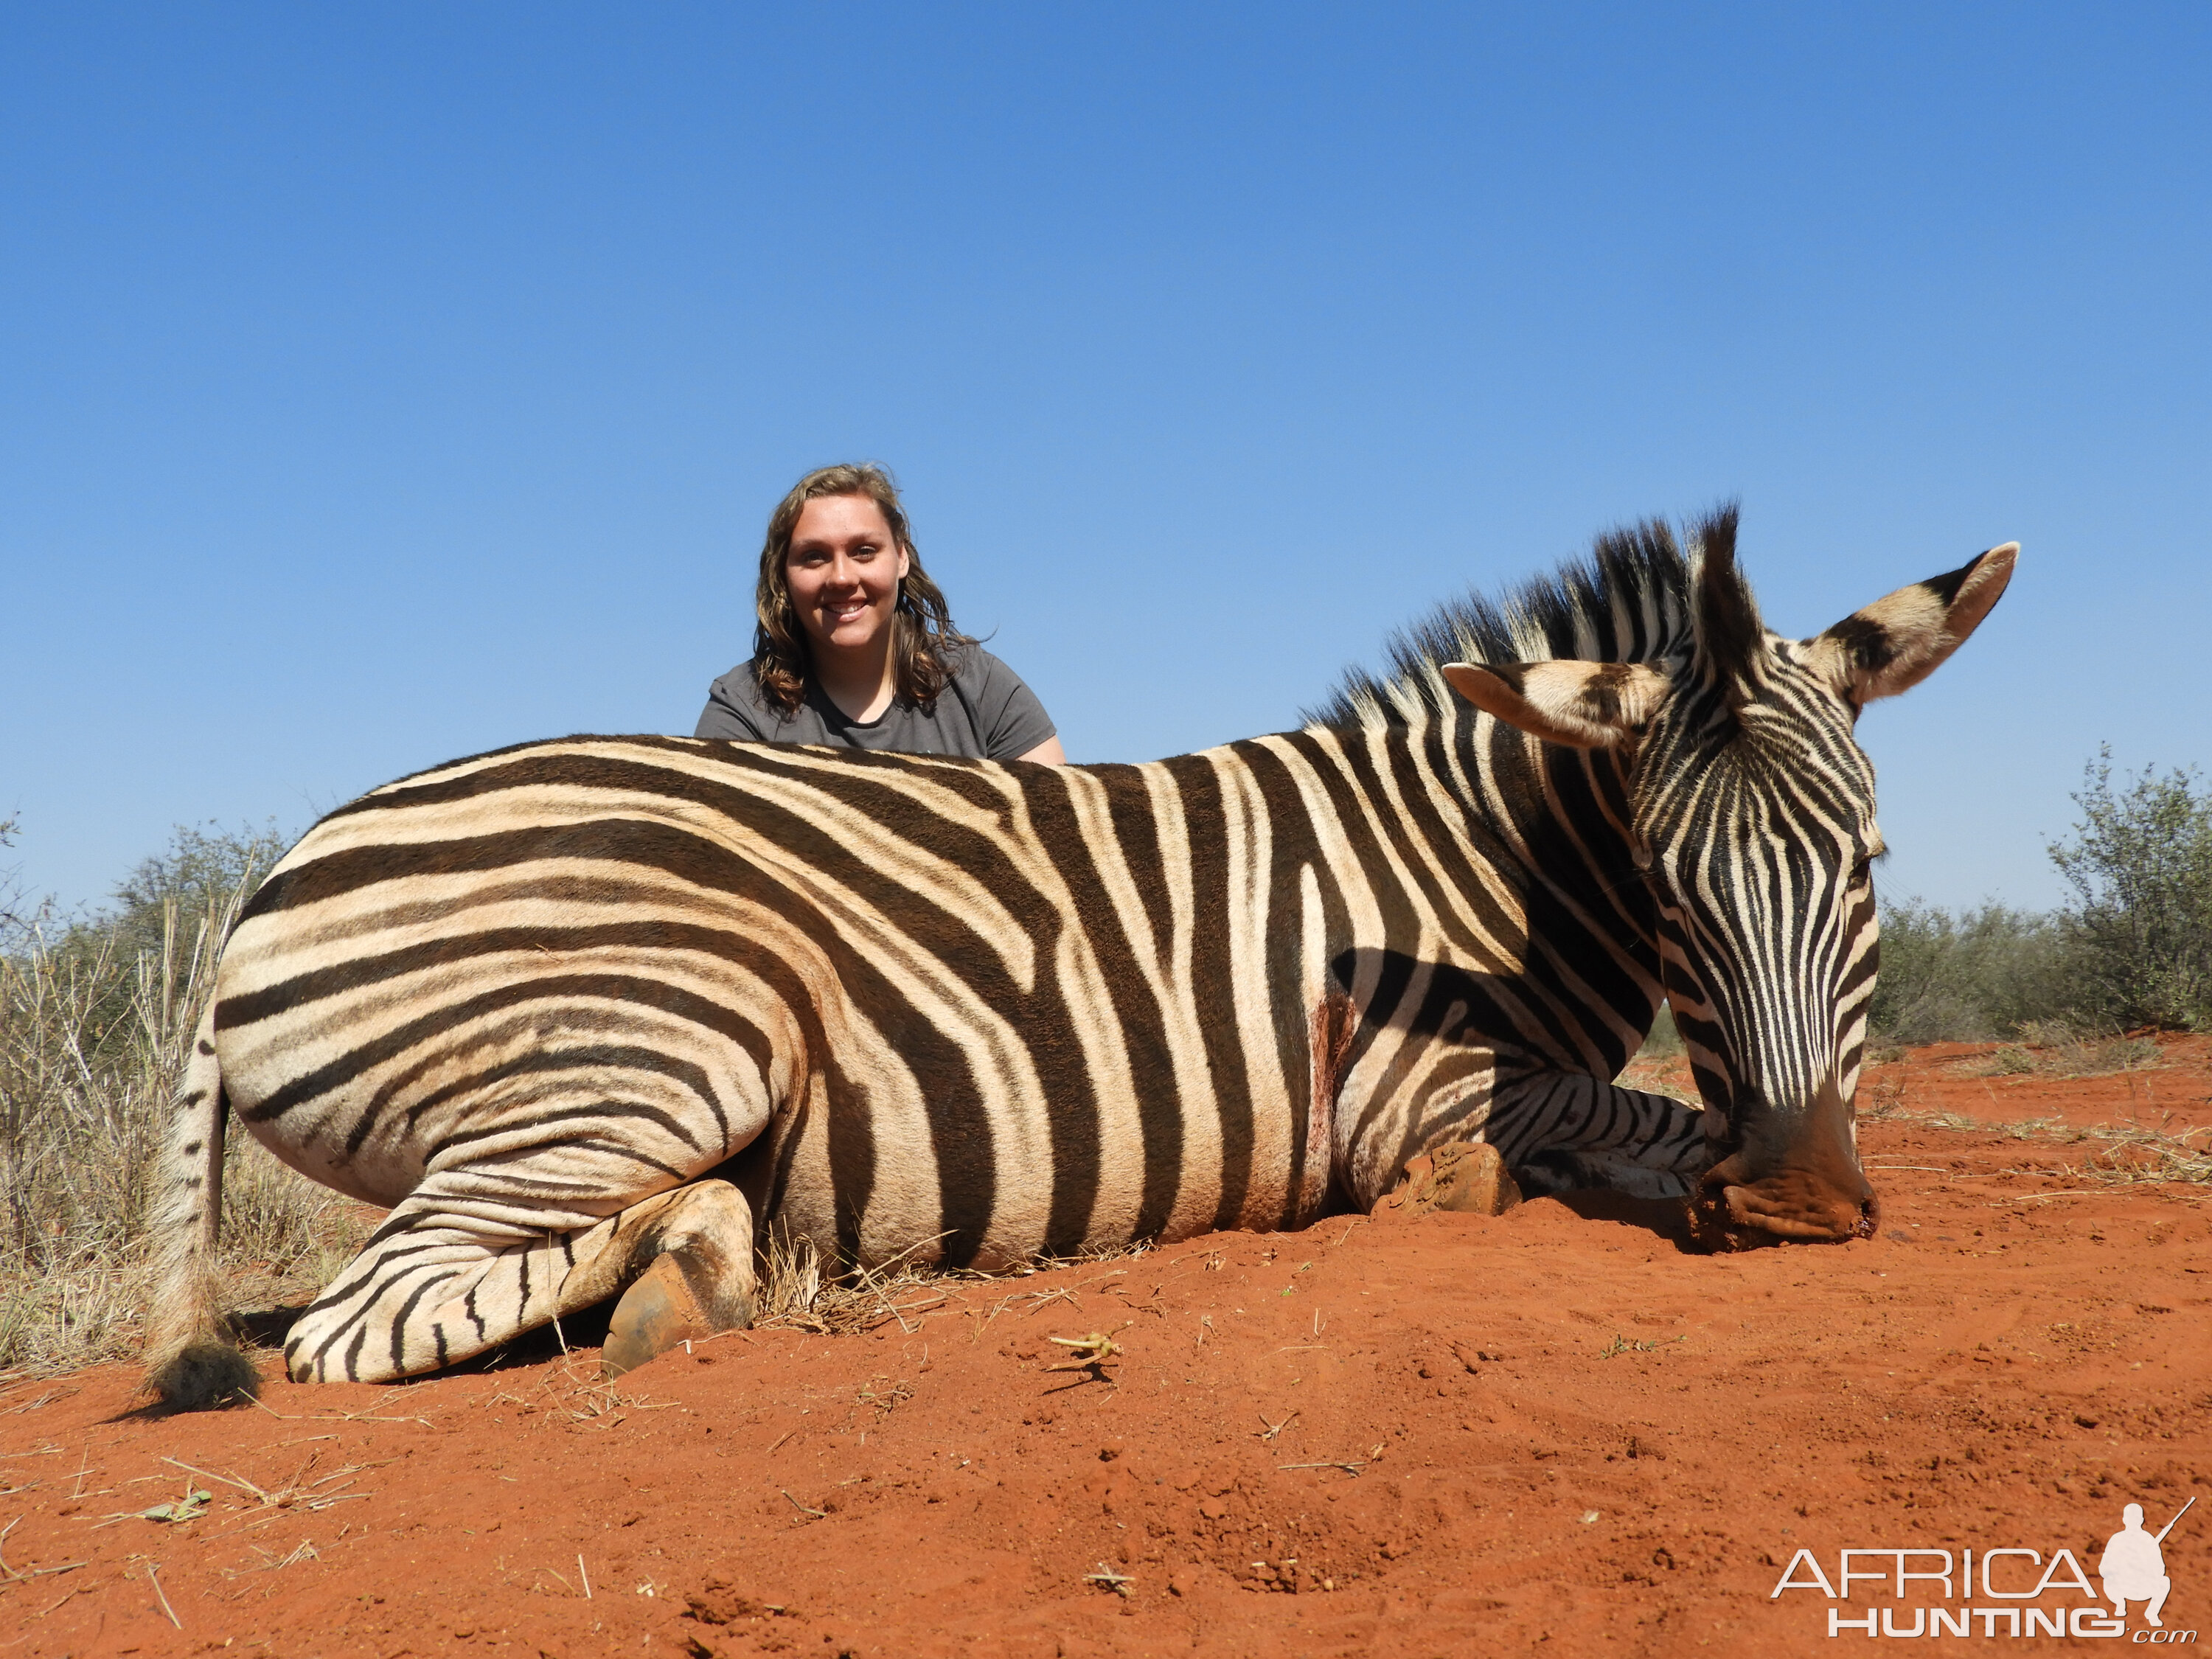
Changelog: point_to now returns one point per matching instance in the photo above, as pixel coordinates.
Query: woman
(854, 647)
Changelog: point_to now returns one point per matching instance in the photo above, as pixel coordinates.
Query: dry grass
(1663, 1040)
(2055, 1049)
(1884, 1103)
(92, 1042)
(795, 1294)
(2128, 1155)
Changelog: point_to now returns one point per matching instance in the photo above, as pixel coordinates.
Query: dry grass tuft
(2129, 1155)
(2056, 1048)
(795, 1294)
(92, 1042)
(2011, 1060)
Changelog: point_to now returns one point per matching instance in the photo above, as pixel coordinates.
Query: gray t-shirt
(984, 712)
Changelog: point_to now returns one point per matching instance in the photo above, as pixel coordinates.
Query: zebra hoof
(655, 1313)
(1465, 1177)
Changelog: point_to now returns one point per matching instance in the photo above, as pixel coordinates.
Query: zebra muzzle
(1790, 1205)
(1799, 1179)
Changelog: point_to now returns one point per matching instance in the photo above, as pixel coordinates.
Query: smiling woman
(854, 647)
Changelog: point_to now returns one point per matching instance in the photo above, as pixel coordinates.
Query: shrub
(94, 1031)
(19, 919)
(203, 870)
(2140, 867)
(1970, 976)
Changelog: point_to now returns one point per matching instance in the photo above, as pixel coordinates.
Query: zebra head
(1753, 825)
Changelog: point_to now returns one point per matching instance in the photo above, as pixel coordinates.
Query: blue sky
(380, 384)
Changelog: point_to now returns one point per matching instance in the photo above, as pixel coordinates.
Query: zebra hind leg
(450, 1276)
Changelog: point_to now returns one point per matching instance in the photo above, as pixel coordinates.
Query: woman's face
(843, 572)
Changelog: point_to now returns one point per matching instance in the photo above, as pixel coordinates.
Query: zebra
(594, 1016)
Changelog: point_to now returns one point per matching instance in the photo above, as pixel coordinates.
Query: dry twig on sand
(1090, 1353)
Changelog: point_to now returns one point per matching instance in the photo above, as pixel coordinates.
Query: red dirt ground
(1445, 1434)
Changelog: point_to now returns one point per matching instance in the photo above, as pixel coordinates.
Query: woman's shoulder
(737, 708)
(741, 685)
(1009, 721)
(978, 672)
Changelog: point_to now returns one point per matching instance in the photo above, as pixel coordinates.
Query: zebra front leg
(1467, 1177)
(448, 1277)
(700, 1279)
(1561, 1133)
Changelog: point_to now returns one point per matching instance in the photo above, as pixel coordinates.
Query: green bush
(202, 872)
(2141, 924)
(2133, 949)
(201, 869)
(1972, 976)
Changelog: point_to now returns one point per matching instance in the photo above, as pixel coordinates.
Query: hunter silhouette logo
(2133, 1567)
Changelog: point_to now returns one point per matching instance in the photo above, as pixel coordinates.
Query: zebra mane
(1631, 599)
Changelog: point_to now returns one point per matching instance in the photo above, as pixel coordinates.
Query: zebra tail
(192, 1362)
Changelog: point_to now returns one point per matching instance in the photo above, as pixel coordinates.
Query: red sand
(1545, 1428)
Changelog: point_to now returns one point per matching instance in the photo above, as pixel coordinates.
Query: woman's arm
(1048, 752)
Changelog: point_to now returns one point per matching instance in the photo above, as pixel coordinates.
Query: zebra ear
(1896, 642)
(1584, 705)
